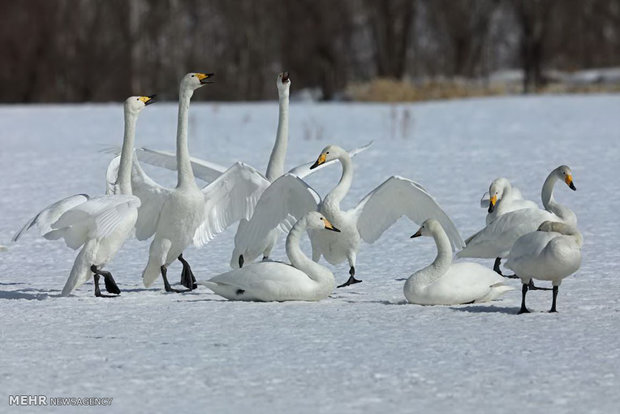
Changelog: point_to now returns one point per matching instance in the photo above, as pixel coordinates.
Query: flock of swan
(542, 244)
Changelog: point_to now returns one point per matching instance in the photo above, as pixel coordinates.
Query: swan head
(330, 152)
(428, 228)
(283, 82)
(496, 191)
(195, 80)
(134, 104)
(316, 221)
(564, 173)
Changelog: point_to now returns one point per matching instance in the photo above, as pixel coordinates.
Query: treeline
(101, 50)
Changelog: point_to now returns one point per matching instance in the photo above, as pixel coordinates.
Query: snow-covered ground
(363, 349)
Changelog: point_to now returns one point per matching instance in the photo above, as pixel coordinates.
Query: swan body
(504, 198)
(447, 283)
(551, 253)
(303, 280)
(498, 237)
(98, 225)
(290, 198)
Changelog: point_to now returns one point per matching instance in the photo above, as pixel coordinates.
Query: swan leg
(555, 296)
(167, 286)
(523, 293)
(532, 287)
(352, 280)
(187, 276)
(110, 283)
(496, 267)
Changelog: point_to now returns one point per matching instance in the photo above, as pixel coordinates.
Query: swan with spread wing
(289, 198)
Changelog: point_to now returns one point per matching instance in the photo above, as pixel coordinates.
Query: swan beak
(148, 99)
(318, 162)
(284, 77)
(492, 203)
(204, 78)
(569, 182)
(417, 234)
(330, 226)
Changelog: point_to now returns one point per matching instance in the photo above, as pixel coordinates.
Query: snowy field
(363, 349)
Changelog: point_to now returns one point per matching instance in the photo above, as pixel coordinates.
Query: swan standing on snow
(289, 198)
(209, 171)
(553, 252)
(275, 281)
(99, 225)
(447, 283)
(185, 214)
(496, 239)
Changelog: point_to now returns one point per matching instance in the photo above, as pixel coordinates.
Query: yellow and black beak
(284, 77)
(492, 203)
(417, 234)
(148, 99)
(330, 226)
(204, 78)
(569, 182)
(319, 161)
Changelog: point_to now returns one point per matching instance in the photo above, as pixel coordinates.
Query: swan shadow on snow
(25, 294)
(511, 310)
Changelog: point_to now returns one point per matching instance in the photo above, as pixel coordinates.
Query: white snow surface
(363, 349)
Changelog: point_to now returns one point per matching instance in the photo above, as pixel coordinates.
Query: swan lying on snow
(553, 252)
(496, 239)
(99, 225)
(275, 281)
(289, 198)
(447, 283)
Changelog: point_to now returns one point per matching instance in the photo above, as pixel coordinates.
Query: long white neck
(300, 261)
(335, 196)
(442, 261)
(124, 170)
(184, 166)
(275, 168)
(551, 205)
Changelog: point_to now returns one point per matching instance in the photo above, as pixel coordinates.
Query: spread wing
(205, 170)
(46, 217)
(228, 199)
(395, 198)
(304, 169)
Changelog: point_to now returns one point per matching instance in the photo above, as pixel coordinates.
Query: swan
(505, 199)
(186, 214)
(99, 225)
(497, 238)
(279, 282)
(447, 283)
(552, 253)
(289, 198)
(209, 171)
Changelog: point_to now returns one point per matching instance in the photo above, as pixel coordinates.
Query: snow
(364, 348)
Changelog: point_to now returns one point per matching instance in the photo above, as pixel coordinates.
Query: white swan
(497, 238)
(99, 225)
(447, 283)
(209, 171)
(504, 199)
(553, 252)
(186, 214)
(275, 281)
(289, 198)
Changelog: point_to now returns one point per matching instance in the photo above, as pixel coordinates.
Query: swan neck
(184, 166)
(551, 205)
(342, 188)
(124, 170)
(442, 261)
(297, 257)
(275, 168)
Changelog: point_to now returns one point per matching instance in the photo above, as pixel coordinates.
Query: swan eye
(327, 153)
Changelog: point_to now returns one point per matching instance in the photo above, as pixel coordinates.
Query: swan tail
(496, 291)
(80, 273)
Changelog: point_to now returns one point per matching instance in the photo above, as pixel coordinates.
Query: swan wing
(50, 214)
(111, 176)
(398, 197)
(284, 202)
(95, 218)
(228, 199)
(205, 170)
(304, 170)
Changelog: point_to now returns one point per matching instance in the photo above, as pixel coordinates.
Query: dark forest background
(105, 50)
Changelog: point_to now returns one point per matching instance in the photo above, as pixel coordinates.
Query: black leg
(496, 268)
(265, 258)
(352, 280)
(523, 293)
(555, 296)
(110, 283)
(187, 276)
(166, 283)
(532, 287)
(241, 260)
